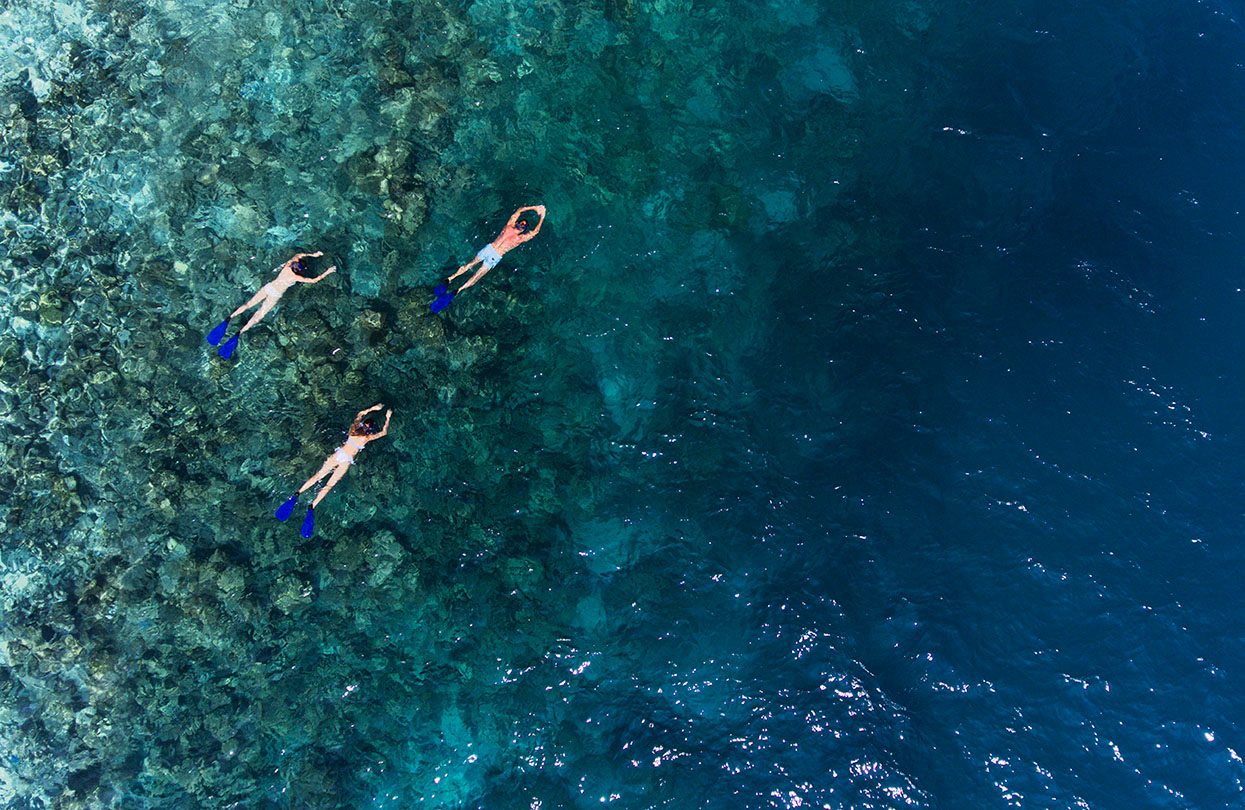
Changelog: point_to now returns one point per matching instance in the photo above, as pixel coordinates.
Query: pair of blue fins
(227, 348)
(309, 521)
(443, 298)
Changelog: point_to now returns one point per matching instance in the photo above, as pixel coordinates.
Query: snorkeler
(361, 432)
(517, 231)
(293, 272)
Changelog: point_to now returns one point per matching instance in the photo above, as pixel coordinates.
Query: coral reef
(165, 644)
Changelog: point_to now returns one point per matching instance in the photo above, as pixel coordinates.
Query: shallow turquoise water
(859, 431)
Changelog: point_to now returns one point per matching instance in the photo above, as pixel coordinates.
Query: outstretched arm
(540, 209)
(298, 256)
(366, 411)
(332, 269)
(540, 212)
(384, 430)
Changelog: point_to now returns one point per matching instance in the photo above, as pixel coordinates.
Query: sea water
(860, 431)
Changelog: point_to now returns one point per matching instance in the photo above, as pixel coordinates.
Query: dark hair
(523, 226)
(365, 427)
(301, 267)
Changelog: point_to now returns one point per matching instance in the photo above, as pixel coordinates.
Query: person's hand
(317, 254)
(332, 269)
(388, 415)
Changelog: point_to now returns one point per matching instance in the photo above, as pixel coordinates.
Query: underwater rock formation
(164, 643)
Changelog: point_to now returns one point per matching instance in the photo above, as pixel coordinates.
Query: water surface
(860, 431)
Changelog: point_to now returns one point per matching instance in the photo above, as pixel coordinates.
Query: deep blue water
(861, 431)
(1041, 577)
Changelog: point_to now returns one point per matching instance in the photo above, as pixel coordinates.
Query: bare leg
(464, 269)
(255, 299)
(332, 482)
(329, 464)
(263, 310)
(479, 274)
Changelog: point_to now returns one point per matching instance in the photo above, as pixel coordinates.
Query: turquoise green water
(837, 443)
(172, 645)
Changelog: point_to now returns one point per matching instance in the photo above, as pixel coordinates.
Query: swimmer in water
(517, 231)
(295, 271)
(361, 432)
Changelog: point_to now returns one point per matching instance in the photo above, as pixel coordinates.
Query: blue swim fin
(442, 301)
(286, 509)
(309, 523)
(219, 332)
(226, 350)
